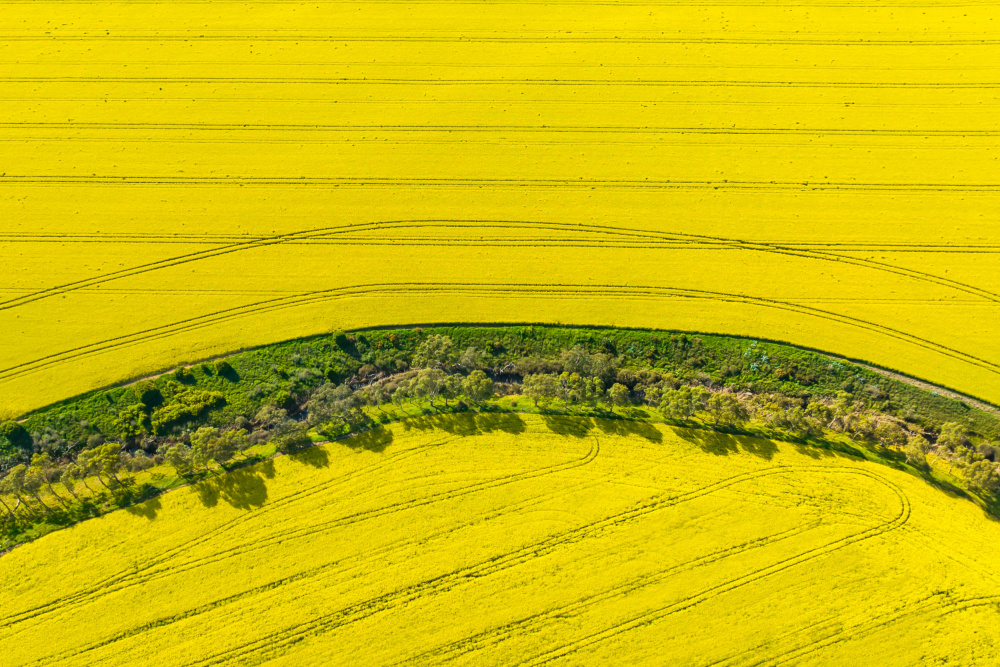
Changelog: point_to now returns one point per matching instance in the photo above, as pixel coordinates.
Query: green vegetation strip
(117, 447)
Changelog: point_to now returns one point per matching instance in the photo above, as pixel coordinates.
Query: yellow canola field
(183, 179)
(504, 539)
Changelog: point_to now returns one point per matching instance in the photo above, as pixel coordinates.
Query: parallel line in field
(713, 592)
(289, 636)
(549, 38)
(487, 128)
(148, 575)
(316, 575)
(145, 566)
(527, 183)
(496, 635)
(731, 83)
(522, 291)
(588, 228)
(942, 604)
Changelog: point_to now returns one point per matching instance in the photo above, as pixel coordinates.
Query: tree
(982, 477)
(71, 474)
(435, 352)
(618, 395)
(179, 456)
(916, 451)
(477, 387)
(13, 483)
(451, 388)
(727, 408)
(540, 387)
(2, 502)
(428, 384)
(32, 483)
(293, 438)
(952, 436)
(109, 460)
(681, 404)
(378, 396)
(577, 360)
(208, 444)
(15, 441)
(889, 434)
(42, 466)
(271, 415)
(472, 359)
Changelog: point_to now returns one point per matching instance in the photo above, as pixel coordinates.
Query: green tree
(451, 388)
(542, 387)
(13, 483)
(428, 384)
(953, 437)
(618, 395)
(727, 409)
(48, 473)
(32, 483)
(916, 451)
(179, 456)
(15, 441)
(435, 351)
(472, 359)
(982, 477)
(477, 387)
(293, 438)
(71, 474)
(208, 444)
(889, 434)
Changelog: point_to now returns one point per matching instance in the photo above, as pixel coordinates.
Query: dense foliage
(206, 416)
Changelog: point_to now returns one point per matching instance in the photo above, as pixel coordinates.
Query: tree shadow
(623, 426)
(317, 457)
(243, 488)
(577, 427)
(469, 423)
(712, 442)
(147, 509)
(375, 440)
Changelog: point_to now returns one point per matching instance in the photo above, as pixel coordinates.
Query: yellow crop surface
(503, 539)
(181, 179)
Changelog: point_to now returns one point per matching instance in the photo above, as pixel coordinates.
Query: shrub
(14, 440)
(147, 393)
(184, 406)
(184, 375)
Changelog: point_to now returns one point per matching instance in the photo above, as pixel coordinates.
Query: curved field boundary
(651, 239)
(319, 573)
(709, 593)
(522, 291)
(131, 579)
(276, 641)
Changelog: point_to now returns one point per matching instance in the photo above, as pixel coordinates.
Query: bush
(147, 393)
(184, 375)
(225, 370)
(184, 406)
(14, 440)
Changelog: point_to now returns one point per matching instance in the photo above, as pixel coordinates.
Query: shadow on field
(317, 457)
(629, 427)
(243, 488)
(724, 444)
(147, 509)
(469, 423)
(373, 441)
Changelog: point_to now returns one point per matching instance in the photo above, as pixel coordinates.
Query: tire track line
(276, 642)
(736, 583)
(522, 291)
(132, 580)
